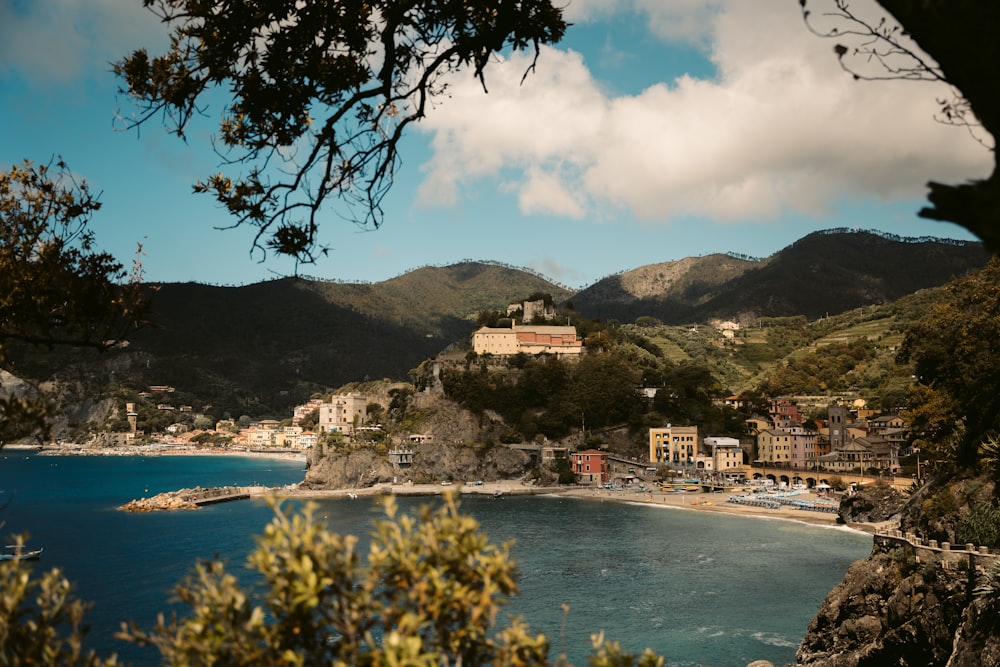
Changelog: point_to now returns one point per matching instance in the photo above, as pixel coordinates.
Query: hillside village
(777, 442)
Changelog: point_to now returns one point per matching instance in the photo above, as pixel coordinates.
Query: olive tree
(948, 41)
(56, 288)
(319, 94)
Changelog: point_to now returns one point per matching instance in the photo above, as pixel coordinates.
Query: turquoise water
(700, 588)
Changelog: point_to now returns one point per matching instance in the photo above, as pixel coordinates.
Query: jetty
(193, 498)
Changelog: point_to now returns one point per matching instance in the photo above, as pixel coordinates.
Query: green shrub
(981, 526)
(40, 622)
(940, 504)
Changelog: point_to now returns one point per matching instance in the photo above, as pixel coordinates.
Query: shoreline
(156, 450)
(696, 502)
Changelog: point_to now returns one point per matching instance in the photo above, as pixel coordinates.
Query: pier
(192, 498)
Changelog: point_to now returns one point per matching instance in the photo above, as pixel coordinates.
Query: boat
(15, 552)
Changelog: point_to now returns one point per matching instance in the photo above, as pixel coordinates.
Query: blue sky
(655, 131)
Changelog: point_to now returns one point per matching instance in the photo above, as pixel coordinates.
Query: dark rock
(873, 504)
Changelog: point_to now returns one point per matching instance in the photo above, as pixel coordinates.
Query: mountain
(272, 344)
(262, 348)
(823, 273)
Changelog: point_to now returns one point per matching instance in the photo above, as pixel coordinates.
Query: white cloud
(782, 128)
(545, 192)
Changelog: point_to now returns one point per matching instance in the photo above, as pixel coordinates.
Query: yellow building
(774, 447)
(673, 445)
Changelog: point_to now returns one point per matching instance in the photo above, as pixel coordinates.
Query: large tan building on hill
(342, 413)
(556, 340)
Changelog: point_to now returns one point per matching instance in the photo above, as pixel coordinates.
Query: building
(591, 466)
(803, 447)
(532, 311)
(260, 435)
(885, 453)
(342, 413)
(302, 411)
(774, 447)
(726, 455)
(673, 445)
(288, 437)
(793, 447)
(401, 457)
(558, 340)
(756, 425)
(852, 457)
(837, 416)
(784, 411)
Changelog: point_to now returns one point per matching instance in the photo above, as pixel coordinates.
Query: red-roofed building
(591, 466)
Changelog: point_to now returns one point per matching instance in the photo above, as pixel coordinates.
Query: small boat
(15, 552)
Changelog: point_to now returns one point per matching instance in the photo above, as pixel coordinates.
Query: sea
(700, 588)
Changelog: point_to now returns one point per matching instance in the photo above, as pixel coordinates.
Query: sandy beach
(157, 450)
(700, 502)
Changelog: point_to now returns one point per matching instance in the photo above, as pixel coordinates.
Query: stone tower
(132, 416)
(837, 414)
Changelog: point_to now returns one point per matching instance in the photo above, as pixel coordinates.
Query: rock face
(912, 607)
(332, 469)
(461, 448)
(885, 612)
(873, 504)
(432, 462)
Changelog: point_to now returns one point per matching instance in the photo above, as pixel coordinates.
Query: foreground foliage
(56, 288)
(428, 594)
(321, 93)
(955, 348)
(40, 622)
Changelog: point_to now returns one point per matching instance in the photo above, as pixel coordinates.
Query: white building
(727, 456)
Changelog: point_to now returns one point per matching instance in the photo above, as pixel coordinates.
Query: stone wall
(977, 559)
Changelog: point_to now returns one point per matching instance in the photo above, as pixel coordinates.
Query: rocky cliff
(460, 447)
(912, 606)
(432, 462)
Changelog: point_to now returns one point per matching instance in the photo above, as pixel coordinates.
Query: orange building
(591, 466)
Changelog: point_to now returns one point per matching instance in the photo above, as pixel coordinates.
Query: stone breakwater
(193, 498)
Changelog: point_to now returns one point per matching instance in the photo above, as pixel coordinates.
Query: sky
(653, 132)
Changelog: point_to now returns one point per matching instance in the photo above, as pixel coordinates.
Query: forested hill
(278, 341)
(262, 348)
(823, 273)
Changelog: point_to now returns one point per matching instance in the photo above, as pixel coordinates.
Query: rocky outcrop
(462, 447)
(432, 462)
(887, 611)
(329, 468)
(873, 504)
(913, 607)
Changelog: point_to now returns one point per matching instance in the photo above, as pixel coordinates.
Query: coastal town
(781, 454)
